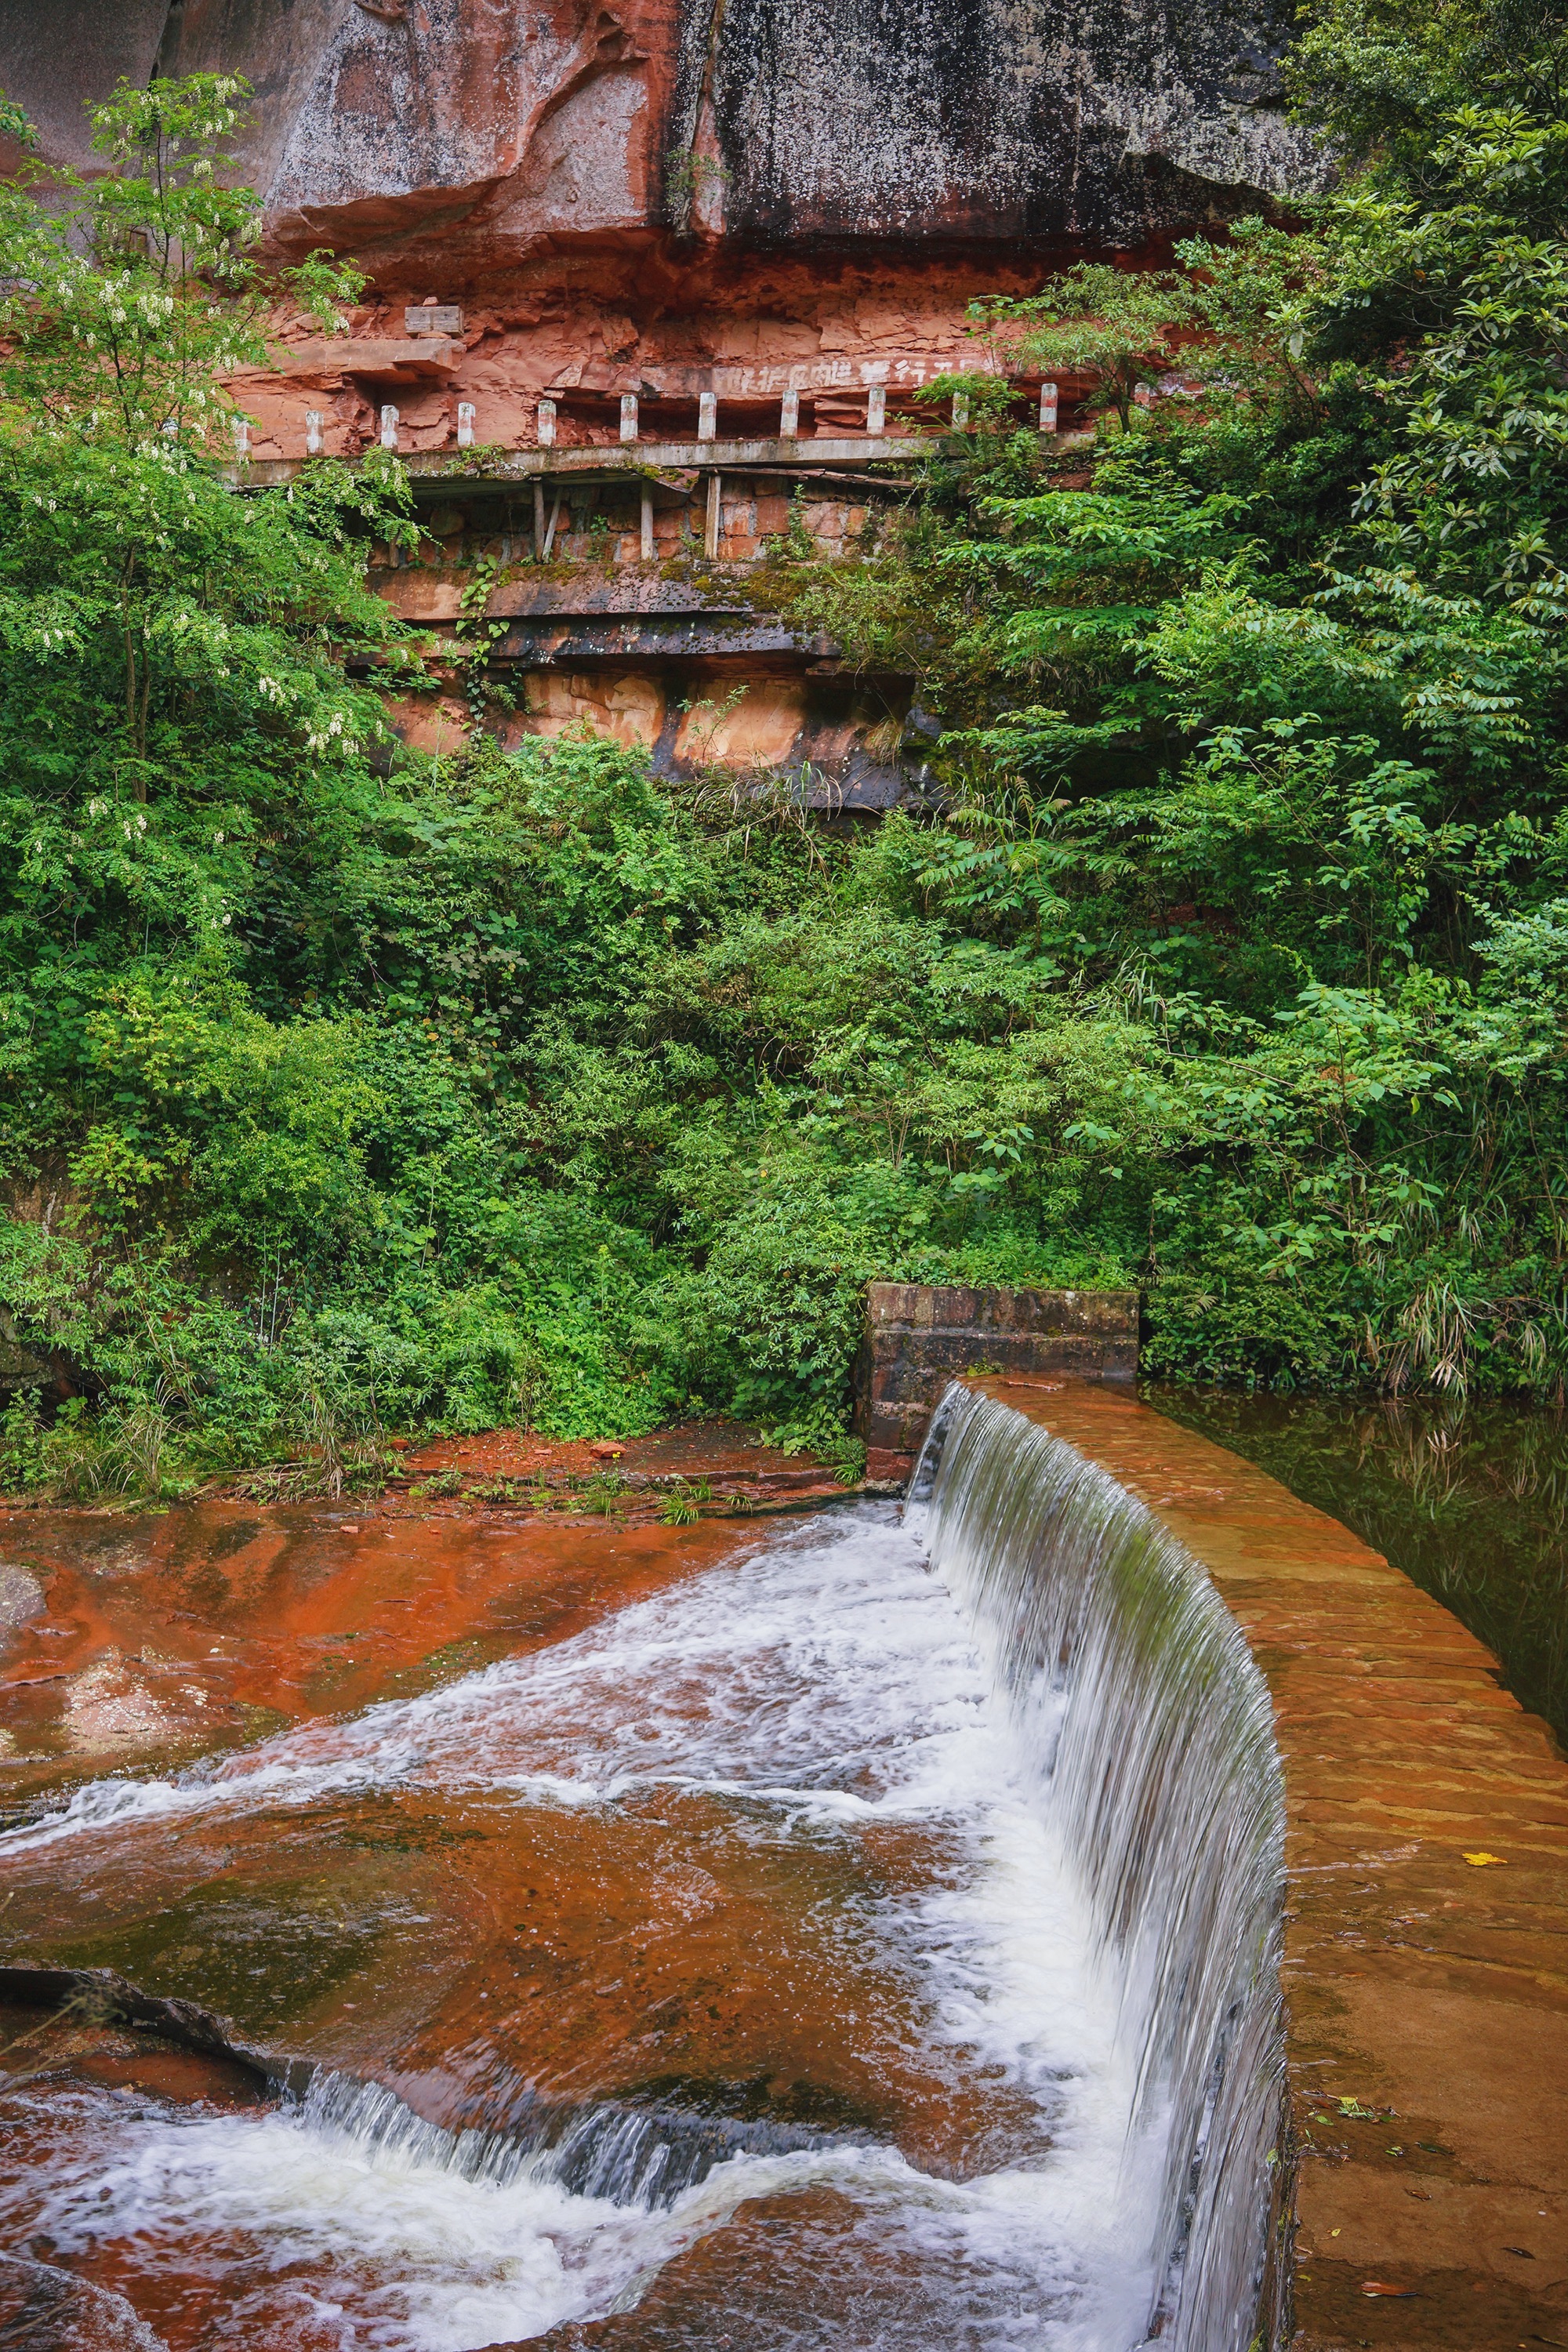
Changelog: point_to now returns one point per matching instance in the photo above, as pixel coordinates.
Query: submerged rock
(45, 2309)
(21, 1596)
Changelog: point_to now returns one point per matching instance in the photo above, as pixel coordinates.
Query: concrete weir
(1424, 2151)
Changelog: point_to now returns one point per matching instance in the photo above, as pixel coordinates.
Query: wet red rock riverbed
(207, 1626)
(527, 1822)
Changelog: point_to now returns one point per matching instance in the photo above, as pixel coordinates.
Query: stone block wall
(920, 1336)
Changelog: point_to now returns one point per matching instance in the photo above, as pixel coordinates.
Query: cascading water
(1152, 1732)
(643, 2156)
(929, 1917)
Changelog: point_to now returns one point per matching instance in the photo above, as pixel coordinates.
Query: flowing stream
(1149, 1732)
(861, 1935)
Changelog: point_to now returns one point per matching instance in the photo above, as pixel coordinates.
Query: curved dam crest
(1151, 1733)
(1147, 1927)
(1421, 2196)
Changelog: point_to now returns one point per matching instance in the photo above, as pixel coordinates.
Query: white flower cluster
(336, 731)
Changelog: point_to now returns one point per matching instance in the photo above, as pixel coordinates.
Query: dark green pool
(1470, 1500)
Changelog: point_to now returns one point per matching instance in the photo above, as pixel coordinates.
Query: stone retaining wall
(920, 1336)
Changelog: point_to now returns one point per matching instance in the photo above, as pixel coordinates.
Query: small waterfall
(1153, 1733)
(634, 2156)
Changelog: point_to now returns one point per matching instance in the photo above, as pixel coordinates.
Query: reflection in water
(1470, 1500)
(704, 1969)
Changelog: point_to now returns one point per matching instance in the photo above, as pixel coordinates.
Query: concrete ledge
(1426, 1996)
(444, 469)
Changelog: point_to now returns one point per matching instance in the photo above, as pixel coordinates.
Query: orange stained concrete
(1426, 1993)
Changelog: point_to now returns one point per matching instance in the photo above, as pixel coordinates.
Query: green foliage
(1257, 738)
(130, 292)
(1117, 327)
(1227, 956)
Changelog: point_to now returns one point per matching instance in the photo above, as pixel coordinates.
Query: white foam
(828, 1672)
(829, 1682)
(413, 2255)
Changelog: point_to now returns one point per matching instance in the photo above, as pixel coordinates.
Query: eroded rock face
(742, 235)
(57, 59)
(425, 122)
(483, 133)
(987, 121)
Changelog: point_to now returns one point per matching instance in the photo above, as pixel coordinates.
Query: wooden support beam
(715, 499)
(646, 550)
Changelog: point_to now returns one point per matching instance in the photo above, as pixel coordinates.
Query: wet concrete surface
(1426, 1935)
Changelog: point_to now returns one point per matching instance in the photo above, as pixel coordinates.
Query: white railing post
(241, 428)
(789, 416)
(629, 416)
(707, 416)
(960, 411)
(544, 431)
(465, 424)
(315, 441)
(876, 410)
(1048, 408)
(389, 428)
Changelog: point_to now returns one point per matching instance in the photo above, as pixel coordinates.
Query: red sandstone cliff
(477, 135)
(779, 208)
